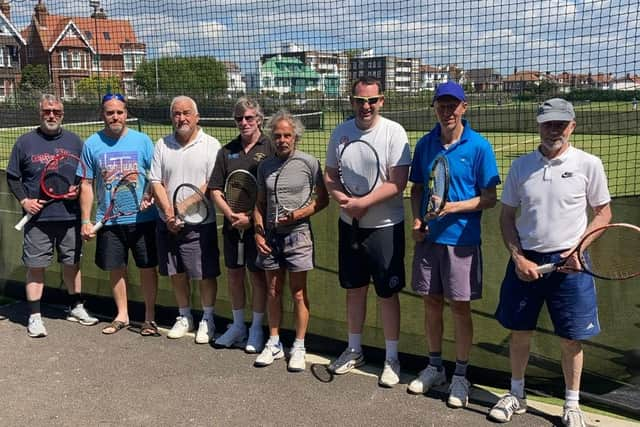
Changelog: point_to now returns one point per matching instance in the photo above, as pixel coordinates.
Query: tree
(199, 76)
(90, 88)
(35, 80)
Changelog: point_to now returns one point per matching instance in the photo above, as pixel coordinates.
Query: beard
(51, 127)
(116, 128)
(554, 144)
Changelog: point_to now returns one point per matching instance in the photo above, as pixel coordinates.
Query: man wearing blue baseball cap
(447, 263)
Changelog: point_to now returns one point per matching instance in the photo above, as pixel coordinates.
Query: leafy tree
(91, 88)
(199, 76)
(35, 79)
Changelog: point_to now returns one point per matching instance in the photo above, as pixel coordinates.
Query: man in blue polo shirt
(447, 263)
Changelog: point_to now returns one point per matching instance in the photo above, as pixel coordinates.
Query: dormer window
(106, 35)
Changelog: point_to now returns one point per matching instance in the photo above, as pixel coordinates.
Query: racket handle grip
(25, 219)
(546, 268)
(240, 260)
(97, 226)
(423, 226)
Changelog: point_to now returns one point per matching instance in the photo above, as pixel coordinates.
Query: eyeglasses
(110, 96)
(249, 119)
(48, 111)
(371, 100)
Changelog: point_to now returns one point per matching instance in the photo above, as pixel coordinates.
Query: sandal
(114, 327)
(149, 329)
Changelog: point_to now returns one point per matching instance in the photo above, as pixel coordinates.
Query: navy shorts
(380, 257)
(570, 298)
(115, 241)
(194, 251)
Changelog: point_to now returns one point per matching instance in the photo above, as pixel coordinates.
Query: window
(68, 88)
(88, 34)
(128, 62)
(75, 60)
(106, 35)
(2, 49)
(64, 61)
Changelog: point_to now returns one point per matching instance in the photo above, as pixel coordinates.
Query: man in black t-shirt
(53, 226)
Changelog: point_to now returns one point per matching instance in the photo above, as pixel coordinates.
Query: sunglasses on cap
(371, 100)
(110, 96)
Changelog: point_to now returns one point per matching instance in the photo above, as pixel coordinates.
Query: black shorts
(115, 241)
(380, 257)
(230, 239)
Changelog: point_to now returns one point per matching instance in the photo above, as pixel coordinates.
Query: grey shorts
(452, 271)
(292, 251)
(194, 251)
(40, 239)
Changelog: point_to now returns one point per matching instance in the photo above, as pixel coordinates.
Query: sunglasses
(110, 96)
(249, 119)
(371, 100)
(48, 111)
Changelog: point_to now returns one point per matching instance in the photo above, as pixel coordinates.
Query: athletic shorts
(113, 243)
(570, 298)
(194, 251)
(452, 271)
(380, 256)
(230, 239)
(292, 251)
(40, 239)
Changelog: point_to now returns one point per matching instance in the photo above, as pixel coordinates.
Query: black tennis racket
(359, 171)
(436, 190)
(190, 205)
(58, 181)
(293, 187)
(125, 200)
(614, 253)
(241, 194)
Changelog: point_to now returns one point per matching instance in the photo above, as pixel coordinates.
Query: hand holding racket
(57, 182)
(612, 253)
(437, 190)
(124, 199)
(359, 171)
(241, 194)
(190, 205)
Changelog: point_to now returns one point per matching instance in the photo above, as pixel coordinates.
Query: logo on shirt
(566, 174)
(259, 157)
(344, 140)
(232, 156)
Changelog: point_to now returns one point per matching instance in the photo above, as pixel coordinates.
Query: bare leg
(72, 278)
(298, 284)
(572, 360)
(149, 284)
(208, 292)
(275, 282)
(119, 289)
(35, 284)
(433, 323)
(235, 277)
(181, 289)
(519, 347)
(463, 328)
(259, 288)
(390, 309)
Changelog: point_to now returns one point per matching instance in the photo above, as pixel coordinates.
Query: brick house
(75, 48)
(11, 45)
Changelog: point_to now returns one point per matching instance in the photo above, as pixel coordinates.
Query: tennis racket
(359, 171)
(613, 251)
(437, 189)
(57, 182)
(293, 187)
(241, 194)
(124, 199)
(189, 205)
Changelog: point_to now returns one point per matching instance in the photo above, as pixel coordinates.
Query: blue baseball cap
(449, 89)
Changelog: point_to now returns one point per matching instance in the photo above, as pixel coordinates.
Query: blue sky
(553, 36)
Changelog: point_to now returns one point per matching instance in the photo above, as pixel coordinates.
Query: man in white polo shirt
(554, 187)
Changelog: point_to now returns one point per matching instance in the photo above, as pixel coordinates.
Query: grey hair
(284, 115)
(49, 99)
(181, 98)
(245, 103)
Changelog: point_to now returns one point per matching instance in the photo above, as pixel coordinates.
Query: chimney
(40, 11)
(100, 14)
(5, 8)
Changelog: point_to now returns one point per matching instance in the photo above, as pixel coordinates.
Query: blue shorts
(571, 301)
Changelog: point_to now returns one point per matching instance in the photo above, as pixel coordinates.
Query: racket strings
(60, 176)
(293, 185)
(359, 168)
(125, 199)
(614, 254)
(191, 205)
(241, 192)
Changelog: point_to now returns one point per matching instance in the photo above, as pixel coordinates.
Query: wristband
(85, 221)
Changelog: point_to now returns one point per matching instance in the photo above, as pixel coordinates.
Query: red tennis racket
(125, 199)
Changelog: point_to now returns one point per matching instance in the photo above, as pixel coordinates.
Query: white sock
(274, 340)
(257, 319)
(572, 398)
(185, 311)
(207, 312)
(238, 317)
(392, 349)
(298, 343)
(355, 342)
(517, 388)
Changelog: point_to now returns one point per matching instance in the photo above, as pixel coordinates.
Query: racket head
(58, 180)
(124, 196)
(358, 167)
(241, 191)
(293, 185)
(611, 252)
(438, 186)
(190, 204)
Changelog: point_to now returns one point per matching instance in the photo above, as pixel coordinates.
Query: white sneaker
(427, 378)
(206, 329)
(183, 325)
(348, 360)
(572, 417)
(255, 342)
(79, 314)
(36, 328)
(297, 359)
(458, 392)
(270, 353)
(506, 407)
(390, 375)
(234, 336)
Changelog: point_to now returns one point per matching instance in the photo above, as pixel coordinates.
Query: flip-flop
(149, 329)
(114, 327)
